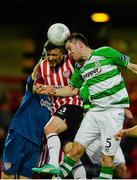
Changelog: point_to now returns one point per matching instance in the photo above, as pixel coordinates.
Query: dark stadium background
(23, 27)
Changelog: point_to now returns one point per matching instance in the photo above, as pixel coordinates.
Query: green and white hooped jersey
(103, 78)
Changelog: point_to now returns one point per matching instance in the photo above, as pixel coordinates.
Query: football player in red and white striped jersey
(67, 112)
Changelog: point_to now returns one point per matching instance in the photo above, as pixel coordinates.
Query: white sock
(54, 147)
(79, 171)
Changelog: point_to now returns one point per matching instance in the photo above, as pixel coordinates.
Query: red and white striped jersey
(58, 77)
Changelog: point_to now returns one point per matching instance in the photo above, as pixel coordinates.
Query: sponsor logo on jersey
(7, 165)
(95, 71)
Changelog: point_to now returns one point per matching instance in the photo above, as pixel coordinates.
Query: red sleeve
(38, 77)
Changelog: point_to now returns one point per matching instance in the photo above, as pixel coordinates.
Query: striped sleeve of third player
(59, 78)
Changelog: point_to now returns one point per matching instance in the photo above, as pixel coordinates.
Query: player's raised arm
(131, 131)
(132, 67)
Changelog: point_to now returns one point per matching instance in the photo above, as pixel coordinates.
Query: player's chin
(53, 65)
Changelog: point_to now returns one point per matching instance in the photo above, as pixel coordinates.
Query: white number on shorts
(63, 109)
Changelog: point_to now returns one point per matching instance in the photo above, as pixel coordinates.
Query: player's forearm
(43, 89)
(132, 67)
(131, 131)
(66, 91)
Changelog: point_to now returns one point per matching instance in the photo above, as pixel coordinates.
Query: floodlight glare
(100, 17)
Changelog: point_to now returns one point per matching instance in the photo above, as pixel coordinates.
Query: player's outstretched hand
(119, 134)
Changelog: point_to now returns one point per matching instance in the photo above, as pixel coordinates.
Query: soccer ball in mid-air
(58, 33)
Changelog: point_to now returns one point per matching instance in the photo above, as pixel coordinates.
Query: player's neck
(86, 53)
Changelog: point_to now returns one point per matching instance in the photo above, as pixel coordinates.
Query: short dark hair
(77, 36)
(49, 46)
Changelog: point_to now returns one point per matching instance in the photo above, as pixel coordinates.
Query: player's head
(74, 45)
(54, 54)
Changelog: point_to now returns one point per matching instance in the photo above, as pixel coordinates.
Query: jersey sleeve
(29, 84)
(115, 56)
(84, 91)
(76, 79)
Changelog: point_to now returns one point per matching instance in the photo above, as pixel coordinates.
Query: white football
(58, 33)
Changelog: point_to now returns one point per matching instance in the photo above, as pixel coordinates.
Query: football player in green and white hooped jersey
(98, 70)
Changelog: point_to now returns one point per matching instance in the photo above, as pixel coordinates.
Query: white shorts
(102, 124)
(94, 153)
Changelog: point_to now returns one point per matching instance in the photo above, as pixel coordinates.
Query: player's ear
(80, 44)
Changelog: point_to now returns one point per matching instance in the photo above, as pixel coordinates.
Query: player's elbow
(34, 90)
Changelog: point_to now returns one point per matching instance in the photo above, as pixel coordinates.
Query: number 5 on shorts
(108, 140)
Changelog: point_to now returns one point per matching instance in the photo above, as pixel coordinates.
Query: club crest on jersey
(97, 64)
(45, 103)
(7, 165)
(123, 57)
(66, 74)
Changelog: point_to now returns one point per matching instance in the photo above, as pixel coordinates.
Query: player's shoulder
(30, 79)
(67, 57)
(104, 51)
(70, 59)
(44, 61)
(43, 64)
(29, 83)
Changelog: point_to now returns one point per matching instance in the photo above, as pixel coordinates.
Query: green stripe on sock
(102, 177)
(66, 166)
(65, 169)
(106, 173)
(69, 161)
